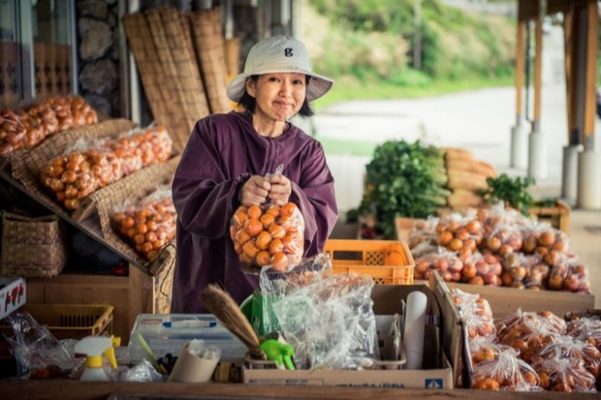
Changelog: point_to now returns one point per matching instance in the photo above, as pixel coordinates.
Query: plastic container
(72, 321)
(369, 257)
(168, 333)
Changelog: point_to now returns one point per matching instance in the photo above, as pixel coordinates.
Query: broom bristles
(226, 310)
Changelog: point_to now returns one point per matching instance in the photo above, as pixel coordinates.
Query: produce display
(512, 191)
(90, 166)
(268, 235)
(28, 127)
(403, 179)
(496, 246)
(148, 225)
(532, 351)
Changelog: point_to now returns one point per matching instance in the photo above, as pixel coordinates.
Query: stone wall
(98, 54)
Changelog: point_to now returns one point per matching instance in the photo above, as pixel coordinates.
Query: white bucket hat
(279, 54)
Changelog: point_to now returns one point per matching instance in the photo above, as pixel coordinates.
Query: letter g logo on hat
(288, 52)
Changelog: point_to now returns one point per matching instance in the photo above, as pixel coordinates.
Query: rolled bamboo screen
(181, 61)
(190, 86)
(151, 69)
(209, 44)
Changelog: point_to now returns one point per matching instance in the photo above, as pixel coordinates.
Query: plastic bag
(330, 323)
(482, 269)
(586, 329)
(507, 372)
(268, 235)
(577, 351)
(423, 232)
(524, 271)
(460, 232)
(564, 375)
(275, 285)
(475, 312)
(38, 353)
(150, 224)
(485, 348)
(73, 176)
(142, 372)
(446, 262)
(540, 238)
(567, 273)
(530, 332)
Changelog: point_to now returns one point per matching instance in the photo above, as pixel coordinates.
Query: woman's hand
(254, 190)
(280, 189)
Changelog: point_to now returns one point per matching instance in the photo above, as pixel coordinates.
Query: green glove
(279, 352)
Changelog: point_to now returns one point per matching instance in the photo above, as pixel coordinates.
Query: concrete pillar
(518, 156)
(569, 177)
(589, 180)
(537, 154)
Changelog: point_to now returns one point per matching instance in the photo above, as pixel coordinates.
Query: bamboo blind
(209, 44)
(181, 60)
(191, 89)
(151, 69)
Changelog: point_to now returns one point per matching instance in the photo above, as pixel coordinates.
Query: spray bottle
(94, 347)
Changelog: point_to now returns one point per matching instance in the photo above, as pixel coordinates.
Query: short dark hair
(249, 103)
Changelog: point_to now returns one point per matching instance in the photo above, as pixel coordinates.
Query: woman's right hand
(254, 191)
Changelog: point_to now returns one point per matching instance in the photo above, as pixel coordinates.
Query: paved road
(477, 120)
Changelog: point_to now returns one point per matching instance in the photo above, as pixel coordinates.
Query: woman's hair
(249, 103)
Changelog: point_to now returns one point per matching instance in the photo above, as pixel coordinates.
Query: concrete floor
(585, 241)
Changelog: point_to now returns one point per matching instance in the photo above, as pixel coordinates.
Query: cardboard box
(12, 294)
(505, 300)
(387, 301)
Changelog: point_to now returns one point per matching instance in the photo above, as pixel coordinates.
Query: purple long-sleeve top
(223, 151)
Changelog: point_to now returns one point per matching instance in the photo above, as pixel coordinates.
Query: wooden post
(520, 63)
(569, 46)
(591, 75)
(538, 68)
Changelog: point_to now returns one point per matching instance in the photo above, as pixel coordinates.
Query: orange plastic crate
(367, 257)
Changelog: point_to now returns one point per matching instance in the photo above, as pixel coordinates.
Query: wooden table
(66, 390)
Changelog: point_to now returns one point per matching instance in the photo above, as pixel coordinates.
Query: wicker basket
(31, 247)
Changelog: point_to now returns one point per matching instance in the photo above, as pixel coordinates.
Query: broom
(225, 309)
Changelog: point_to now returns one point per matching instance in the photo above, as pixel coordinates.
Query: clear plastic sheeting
(275, 285)
(330, 322)
(38, 353)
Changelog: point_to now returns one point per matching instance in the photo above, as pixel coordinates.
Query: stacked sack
(466, 178)
(30, 126)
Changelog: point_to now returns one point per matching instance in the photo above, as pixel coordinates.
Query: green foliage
(373, 41)
(512, 191)
(403, 179)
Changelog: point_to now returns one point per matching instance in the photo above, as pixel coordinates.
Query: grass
(354, 90)
(346, 147)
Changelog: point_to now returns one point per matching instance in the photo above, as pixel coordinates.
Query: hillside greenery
(367, 46)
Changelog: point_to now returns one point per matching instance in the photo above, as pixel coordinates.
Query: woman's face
(279, 96)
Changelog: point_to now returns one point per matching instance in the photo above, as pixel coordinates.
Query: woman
(227, 159)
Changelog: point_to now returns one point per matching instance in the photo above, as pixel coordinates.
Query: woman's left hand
(280, 189)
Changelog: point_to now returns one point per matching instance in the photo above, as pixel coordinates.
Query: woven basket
(28, 166)
(133, 187)
(31, 247)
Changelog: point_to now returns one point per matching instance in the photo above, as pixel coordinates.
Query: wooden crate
(558, 216)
